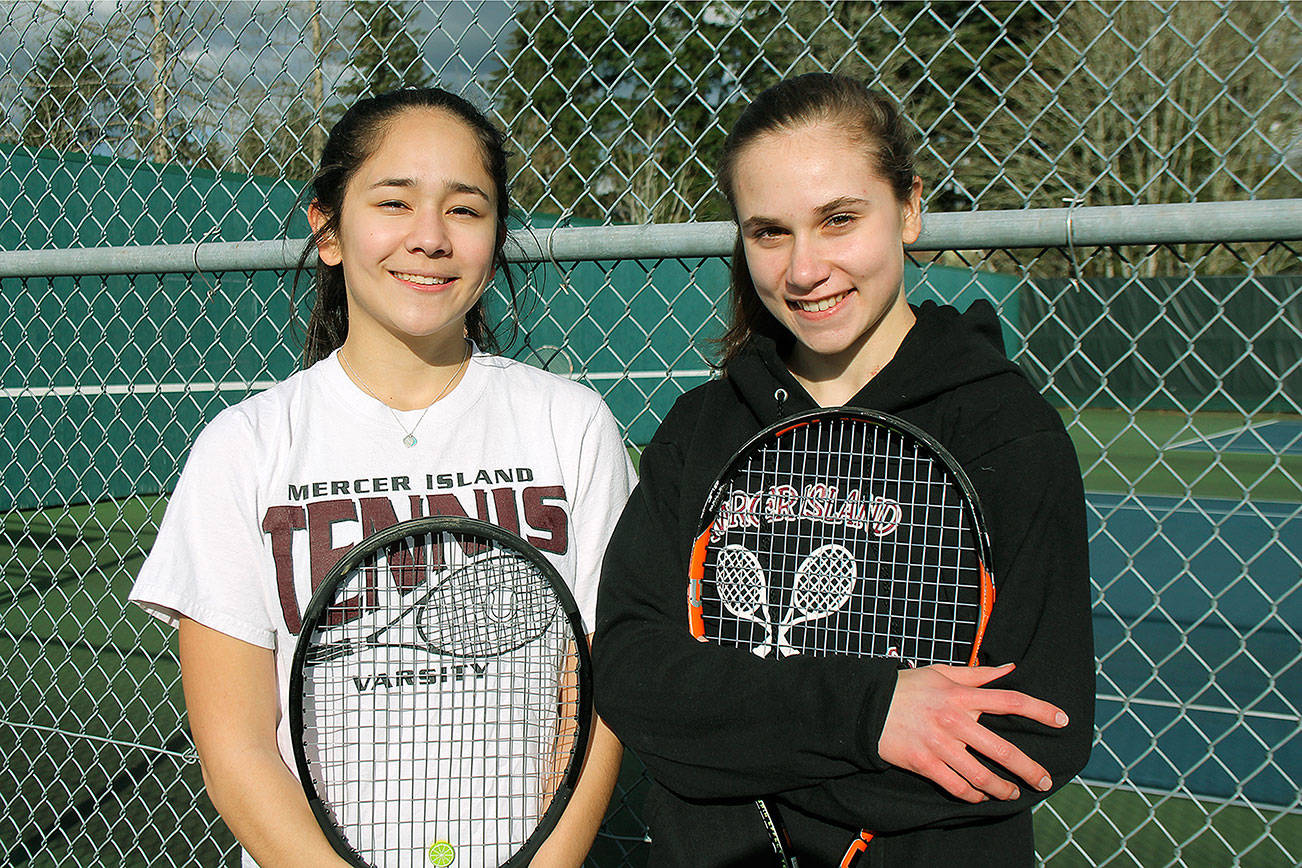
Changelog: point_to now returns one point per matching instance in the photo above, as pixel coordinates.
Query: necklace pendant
(409, 441)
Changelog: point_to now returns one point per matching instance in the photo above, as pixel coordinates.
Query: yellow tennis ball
(442, 854)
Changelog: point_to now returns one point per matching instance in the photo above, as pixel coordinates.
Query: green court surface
(1167, 453)
(1123, 828)
(90, 698)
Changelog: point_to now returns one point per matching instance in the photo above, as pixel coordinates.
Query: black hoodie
(718, 727)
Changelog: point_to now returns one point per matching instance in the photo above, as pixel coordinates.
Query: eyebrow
(451, 186)
(841, 202)
(751, 223)
(823, 210)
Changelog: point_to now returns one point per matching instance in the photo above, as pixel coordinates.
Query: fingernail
(1044, 783)
(1017, 794)
(1060, 719)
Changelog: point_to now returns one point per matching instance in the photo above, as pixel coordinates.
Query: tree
(1141, 104)
(157, 36)
(133, 70)
(386, 49)
(621, 109)
(77, 98)
(614, 105)
(284, 130)
(276, 140)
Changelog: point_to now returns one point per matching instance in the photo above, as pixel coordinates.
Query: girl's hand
(932, 722)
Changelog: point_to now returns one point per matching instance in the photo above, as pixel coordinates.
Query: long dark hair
(865, 115)
(352, 141)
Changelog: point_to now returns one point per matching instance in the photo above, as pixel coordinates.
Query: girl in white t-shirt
(400, 412)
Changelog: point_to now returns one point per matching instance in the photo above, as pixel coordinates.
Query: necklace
(409, 440)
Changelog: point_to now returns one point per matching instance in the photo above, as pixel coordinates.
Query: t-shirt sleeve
(605, 478)
(208, 561)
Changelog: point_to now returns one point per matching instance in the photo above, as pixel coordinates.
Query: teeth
(817, 306)
(422, 279)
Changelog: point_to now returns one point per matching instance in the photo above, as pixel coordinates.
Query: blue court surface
(1198, 607)
(1272, 437)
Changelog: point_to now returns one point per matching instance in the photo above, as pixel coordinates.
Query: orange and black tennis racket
(842, 531)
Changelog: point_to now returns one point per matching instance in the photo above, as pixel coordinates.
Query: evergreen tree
(78, 99)
(386, 51)
(276, 144)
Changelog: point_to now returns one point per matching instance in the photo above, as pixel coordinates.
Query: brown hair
(864, 114)
(352, 141)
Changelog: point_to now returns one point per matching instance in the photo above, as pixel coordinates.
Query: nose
(808, 267)
(429, 234)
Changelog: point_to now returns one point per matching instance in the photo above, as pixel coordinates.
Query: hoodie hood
(944, 351)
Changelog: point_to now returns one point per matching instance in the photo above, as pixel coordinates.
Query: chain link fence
(174, 136)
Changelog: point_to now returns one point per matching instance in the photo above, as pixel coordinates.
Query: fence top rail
(1097, 226)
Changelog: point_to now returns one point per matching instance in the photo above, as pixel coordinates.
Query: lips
(818, 306)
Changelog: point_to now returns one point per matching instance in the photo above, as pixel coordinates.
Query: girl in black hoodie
(942, 763)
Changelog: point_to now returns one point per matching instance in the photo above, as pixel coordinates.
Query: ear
(327, 245)
(911, 212)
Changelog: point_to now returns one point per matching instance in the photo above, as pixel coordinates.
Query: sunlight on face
(824, 238)
(417, 233)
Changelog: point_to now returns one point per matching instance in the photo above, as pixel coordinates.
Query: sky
(249, 48)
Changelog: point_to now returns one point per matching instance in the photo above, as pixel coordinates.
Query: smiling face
(416, 234)
(824, 238)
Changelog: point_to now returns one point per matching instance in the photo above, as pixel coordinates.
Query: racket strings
(446, 721)
(863, 545)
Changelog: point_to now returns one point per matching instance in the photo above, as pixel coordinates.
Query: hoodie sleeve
(712, 722)
(1034, 505)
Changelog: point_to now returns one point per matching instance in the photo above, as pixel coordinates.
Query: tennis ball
(442, 854)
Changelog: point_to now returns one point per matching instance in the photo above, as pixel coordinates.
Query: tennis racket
(440, 698)
(842, 531)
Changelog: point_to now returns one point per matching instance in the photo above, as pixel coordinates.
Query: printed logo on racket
(423, 677)
(816, 502)
(464, 678)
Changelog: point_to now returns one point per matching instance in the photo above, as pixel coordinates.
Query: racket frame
(323, 596)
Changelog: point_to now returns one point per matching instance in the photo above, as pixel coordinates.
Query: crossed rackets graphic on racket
(488, 607)
(823, 584)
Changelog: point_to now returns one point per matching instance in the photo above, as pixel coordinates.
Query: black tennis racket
(440, 698)
(842, 531)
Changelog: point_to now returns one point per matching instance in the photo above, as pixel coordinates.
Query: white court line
(1210, 709)
(1207, 437)
(641, 375)
(1235, 801)
(1111, 501)
(91, 391)
(88, 390)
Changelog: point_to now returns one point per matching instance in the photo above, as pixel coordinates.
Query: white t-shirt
(279, 486)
